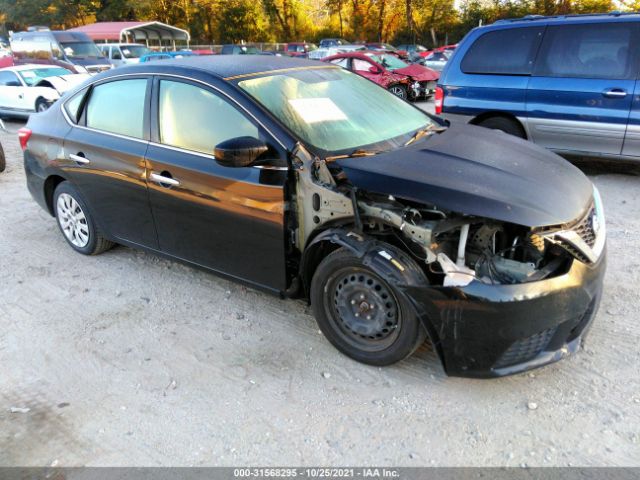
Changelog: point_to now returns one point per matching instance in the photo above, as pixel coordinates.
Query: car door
(228, 219)
(11, 91)
(580, 93)
(104, 156)
(364, 68)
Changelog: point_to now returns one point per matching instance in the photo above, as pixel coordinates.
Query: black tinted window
(587, 51)
(196, 119)
(504, 52)
(118, 107)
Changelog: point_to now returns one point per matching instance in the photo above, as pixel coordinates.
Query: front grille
(585, 229)
(525, 349)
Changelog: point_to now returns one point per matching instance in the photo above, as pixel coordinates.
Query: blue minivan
(568, 83)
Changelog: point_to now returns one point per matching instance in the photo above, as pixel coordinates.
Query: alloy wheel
(397, 91)
(73, 220)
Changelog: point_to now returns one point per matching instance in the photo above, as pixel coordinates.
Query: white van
(123, 53)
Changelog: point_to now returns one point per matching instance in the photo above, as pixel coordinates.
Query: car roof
(574, 18)
(225, 66)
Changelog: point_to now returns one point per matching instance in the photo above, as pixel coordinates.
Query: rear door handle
(615, 93)
(79, 159)
(162, 180)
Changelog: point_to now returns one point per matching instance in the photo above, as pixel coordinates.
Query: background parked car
(387, 70)
(436, 60)
(240, 50)
(324, 52)
(332, 42)
(566, 83)
(414, 51)
(25, 89)
(156, 56)
(300, 49)
(74, 51)
(386, 47)
(123, 53)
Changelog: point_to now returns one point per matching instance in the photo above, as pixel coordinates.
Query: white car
(321, 53)
(123, 53)
(26, 89)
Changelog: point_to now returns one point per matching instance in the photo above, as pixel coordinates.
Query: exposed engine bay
(452, 248)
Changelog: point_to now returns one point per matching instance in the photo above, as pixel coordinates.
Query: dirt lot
(128, 359)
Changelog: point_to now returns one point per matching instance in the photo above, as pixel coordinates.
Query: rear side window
(587, 51)
(504, 52)
(196, 119)
(118, 107)
(72, 106)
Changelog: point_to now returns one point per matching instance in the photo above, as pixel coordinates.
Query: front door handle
(79, 159)
(162, 180)
(615, 93)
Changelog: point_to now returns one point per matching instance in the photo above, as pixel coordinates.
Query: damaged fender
(390, 263)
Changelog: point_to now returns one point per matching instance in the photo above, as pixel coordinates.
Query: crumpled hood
(480, 172)
(418, 72)
(62, 83)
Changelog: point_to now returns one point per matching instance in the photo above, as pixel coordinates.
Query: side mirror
(239, 151)
(12, 83)
(375, 70)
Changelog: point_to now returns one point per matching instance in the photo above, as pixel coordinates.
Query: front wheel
(361, 314)
(76, 223)
(41, 105)
(399, 91)
(3, 162)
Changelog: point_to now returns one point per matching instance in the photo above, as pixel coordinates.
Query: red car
(410, 82)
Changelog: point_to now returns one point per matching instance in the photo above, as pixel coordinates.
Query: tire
(399, 91)
(3, 162)
(75, 222)
(507, 125)
(41, 105)
(361, 314)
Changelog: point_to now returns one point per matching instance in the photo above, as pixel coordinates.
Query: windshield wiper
(430, 129)
(358, 152)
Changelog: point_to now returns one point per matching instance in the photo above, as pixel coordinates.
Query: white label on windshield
(28, 74)
(315, 110)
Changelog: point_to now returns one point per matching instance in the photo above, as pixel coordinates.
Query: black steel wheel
(360, 313)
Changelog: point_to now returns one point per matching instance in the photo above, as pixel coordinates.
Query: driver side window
(361, 65)
(9, 79)
(197, 119)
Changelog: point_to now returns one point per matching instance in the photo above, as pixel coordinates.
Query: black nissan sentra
(309, 181)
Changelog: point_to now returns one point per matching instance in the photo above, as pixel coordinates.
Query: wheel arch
(500, 114)
(50, 185)
(390, 262)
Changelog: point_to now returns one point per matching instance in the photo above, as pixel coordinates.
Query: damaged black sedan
(310, 181)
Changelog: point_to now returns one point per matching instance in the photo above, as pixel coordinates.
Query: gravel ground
(128, 359)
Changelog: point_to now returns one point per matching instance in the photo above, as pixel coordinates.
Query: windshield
(335, 111)
(32, 76)
(81, 50)
(390, 62)
(134, 51)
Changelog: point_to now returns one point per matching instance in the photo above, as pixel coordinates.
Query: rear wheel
(507, 125)
(3, 163)
(361, 314)
(399, 91)
(75, 221)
